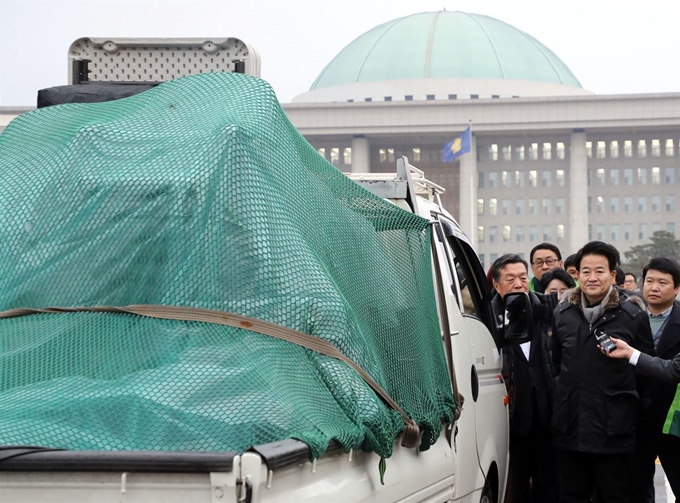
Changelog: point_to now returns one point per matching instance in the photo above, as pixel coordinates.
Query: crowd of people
(593, 390)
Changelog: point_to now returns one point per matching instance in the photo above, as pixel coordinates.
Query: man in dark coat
(529, 378)
(596, 403)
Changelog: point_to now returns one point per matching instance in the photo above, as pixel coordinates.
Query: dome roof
(434, 45)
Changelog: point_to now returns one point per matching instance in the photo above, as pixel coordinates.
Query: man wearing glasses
(543, 257)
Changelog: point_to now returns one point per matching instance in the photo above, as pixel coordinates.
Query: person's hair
(620, 276)
(559, 274)
(545, 246)
(570, 261)
(502, 261)
(631, 274)
(665, 265)
(599, 248)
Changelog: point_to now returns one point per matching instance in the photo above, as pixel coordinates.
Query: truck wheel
(487, 493)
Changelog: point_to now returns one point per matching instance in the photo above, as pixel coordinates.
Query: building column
(361, 155)
(467, 218)
(578, 192)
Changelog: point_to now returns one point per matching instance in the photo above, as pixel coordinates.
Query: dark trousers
(583, 474)
(533, 469)
(644, 467)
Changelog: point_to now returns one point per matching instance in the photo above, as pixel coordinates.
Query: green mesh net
(201, 193)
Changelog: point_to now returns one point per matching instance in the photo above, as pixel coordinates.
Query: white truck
(468, 462)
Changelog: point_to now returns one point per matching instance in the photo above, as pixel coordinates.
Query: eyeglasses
(549, 261)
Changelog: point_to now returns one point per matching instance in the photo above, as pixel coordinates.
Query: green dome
(445, 45)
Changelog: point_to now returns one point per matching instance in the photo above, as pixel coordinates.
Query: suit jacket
(658, 368)
(662, 392)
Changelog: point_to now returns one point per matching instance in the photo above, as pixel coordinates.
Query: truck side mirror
(518, 321)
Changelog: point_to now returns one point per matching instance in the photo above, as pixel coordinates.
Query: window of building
(656, 148)
(628, 232)
(547, 233)
(368, 99)
(519, 178)
(493, 257)
(628, 148)
(614, 149)
(474, 96)
(590, 204)
(642, 176)
(480, 233)
(505, 206)
(495, 95)
(416, 154)
(601, 151)
(347, 156)
(480, 206)
(559, 206)
(507, 152)
(656, 176)
(601, 177)
(627, 204)
(430, 97)
(546, 178)
(519, 207)
(656, 226)
(493, 152)
(601, 228)
(670, 175)
(614, 232)
(614, 204)
(589, 149)
(590, 232)
(507, 233)
(390, 155)
(335, 156)
(628, 176)
(533, 151)
(493, 234)
(480, 180)
(559, 232)
(600, 204)
(614, 176)
(642, 204)
(493, 180)
(533, 206)
(519, 233)
(670, 227)
(519, 152)
(670, 203)
(589, 176)
(453, 96)
(408, 97)
(533, 178)
(642, 148)
(560, 151)
(493, 207)
(642, 231)
(481, 261)
(388, 98)
(670, 148)
(559, 177)
(547, 151)
(322, 152)
(505, 179)
(547, 206)
(656, 203)
(533, 233)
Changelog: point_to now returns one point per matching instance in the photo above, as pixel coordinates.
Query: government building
(549, 160)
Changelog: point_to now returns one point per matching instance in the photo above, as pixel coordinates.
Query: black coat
(662, 393)
(597, 404)
(530, 383)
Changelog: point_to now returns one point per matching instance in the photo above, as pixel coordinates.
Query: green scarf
(672, 424)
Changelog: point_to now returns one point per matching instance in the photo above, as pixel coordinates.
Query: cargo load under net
(200, 193)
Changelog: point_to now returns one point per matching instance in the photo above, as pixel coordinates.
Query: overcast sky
(611, 46)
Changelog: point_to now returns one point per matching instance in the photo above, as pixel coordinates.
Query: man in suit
(647, 365)
(526, 368)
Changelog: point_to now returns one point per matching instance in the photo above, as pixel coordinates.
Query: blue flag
(461, 145)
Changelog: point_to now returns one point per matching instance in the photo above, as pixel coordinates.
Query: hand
(623, 350)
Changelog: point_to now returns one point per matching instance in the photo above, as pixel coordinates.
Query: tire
(487, 494)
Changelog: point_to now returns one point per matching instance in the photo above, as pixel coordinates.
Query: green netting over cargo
(201, 193)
